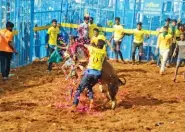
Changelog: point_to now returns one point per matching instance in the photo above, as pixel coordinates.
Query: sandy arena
(36, 101)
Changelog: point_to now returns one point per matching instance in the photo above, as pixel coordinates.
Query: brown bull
(110, 83)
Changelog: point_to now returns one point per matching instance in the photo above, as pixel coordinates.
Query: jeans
(5, 61)
(134, 47)
(51, 49)
(117, 50)
(88, 81)
(164, 53)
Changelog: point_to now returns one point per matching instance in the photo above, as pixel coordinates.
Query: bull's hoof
(113, 105)
(102, 90)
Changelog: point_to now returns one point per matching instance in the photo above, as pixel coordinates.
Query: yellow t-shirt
(95, 40)
(165, 42)
(96, 58)
(91, 30)
(5, 37)
(53, 33)
(178, 33)
(139, 36)
(118, 31)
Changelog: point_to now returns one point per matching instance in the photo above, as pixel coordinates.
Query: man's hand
(156, 51)
(174, 54)
(46, 46)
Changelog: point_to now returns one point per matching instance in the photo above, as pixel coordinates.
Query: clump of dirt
(37, 100)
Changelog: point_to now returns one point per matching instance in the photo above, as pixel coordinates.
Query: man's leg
(93, 81)
(115, 50)
(171, 58)
(119, 50)
(50, 52)
(2, 62)
(134, 46)
(177, 68)
(85, 82)
(184, 74)
(164, 54)
(140, 52)
(8, 63)
(159, 61)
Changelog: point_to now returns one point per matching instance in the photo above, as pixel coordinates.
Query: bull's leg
(102, 88)
(107, 99)
(112, 93)
(113, 104)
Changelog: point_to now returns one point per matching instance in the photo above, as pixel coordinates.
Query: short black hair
(174, 20)
(117, 18)
(167, 20)
(54, 20)
(91, 18)
(86, 18)
(9, 24)
(140, 23)
(101, 43)
(96, 29)
(179, 25)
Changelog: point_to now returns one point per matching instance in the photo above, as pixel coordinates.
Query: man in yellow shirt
(118, 36)
(139, 35)
(163, 44)
(92, 26)
(6, 49)
(93, 72)
(97, 36)
(51, 38)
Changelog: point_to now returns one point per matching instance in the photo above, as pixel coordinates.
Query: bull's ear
(122, 82)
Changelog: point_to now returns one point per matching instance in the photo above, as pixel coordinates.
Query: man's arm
(175, 51)
(87, 46)
(10, 43)
(111, 37)
(109, 44)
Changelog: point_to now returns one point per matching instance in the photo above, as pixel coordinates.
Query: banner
(152, 7)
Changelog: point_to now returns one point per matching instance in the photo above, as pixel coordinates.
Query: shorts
(181, 60)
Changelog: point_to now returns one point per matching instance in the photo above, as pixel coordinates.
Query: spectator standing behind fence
(163, 44)
(83, 29)
(51, 39)
(6, 49)
(92, 26)
(139, 35)
(118, 36)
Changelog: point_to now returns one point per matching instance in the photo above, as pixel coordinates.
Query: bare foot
(73, 108)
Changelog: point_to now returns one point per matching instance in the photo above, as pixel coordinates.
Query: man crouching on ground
(93, 72)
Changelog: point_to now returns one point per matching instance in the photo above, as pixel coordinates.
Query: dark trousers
(117, 45)
(134, 47)
(88, 81)
(5, 60)
(171, 59)
(50, 52)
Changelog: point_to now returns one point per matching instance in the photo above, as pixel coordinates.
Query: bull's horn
(122, 81)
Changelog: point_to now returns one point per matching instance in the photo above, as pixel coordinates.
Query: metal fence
(27, 14)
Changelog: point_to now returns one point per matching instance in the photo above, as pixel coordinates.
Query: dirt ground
(37, 101)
